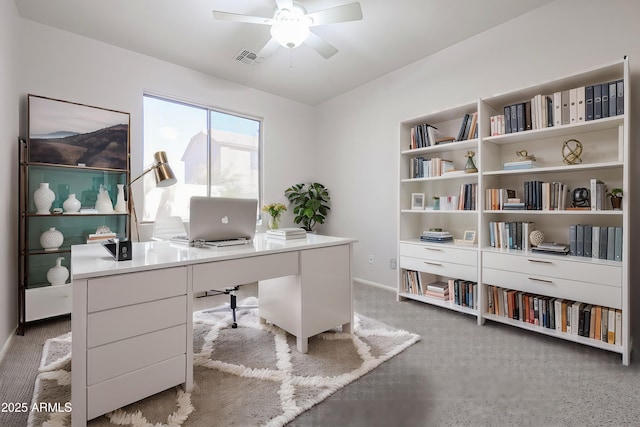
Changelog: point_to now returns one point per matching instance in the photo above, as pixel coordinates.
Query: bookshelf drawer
(591, 293)
(440, 253)
(555, 267)
(441, 268)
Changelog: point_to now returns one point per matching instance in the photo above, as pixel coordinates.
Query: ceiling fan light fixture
(291, 27)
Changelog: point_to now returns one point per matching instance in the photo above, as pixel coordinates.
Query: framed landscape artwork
(67, 133)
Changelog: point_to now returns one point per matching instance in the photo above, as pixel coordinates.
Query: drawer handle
(540, 280)
(539, 261)
(433, 263)
(433, 249)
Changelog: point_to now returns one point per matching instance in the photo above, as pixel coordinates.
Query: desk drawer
(120, 357)
(441, 268)
(561, 288)
(217, 275)
(554, 266)
(117, 392)
(119, 290)
(125, 322)
(442, 252)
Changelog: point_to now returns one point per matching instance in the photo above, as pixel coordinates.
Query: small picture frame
(469, 237)
(417, 200)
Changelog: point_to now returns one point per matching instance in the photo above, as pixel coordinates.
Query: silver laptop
(221, 221)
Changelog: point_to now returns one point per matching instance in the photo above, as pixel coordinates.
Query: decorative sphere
(536, 237)
(571, 151)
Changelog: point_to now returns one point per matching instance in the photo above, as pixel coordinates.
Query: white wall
(62, 65)
(359, 130)
(8, 169)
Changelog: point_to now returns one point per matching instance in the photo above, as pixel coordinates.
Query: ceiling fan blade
(320, 45)
(284, 4)
(236, 17)
(268, 49)
(344, 13)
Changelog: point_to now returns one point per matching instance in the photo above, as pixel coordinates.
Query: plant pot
(616, 203)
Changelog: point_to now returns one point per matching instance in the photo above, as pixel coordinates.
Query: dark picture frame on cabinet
(68, 133)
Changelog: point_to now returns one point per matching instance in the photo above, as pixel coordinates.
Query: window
(212, 153)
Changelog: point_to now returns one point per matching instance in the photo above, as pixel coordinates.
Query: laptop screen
(222, 218)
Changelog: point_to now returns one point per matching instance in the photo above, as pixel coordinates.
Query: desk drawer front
(120, 323)
(437, 252)
(549, 266)
(135, 288)
(117, 392)
(121, 357)
(441, 268)
(217, 275)
(561, 288)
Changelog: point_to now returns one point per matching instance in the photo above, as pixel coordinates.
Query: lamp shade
(162, 171)
(290, 33)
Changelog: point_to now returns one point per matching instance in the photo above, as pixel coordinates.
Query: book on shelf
(597, 194)
(552, 248)
(100, 237)
(287, 233)
(520, 164)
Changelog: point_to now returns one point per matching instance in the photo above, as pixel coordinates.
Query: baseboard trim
(6, 345)
(374, 284)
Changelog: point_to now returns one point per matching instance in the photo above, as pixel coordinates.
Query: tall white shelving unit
(606, 156)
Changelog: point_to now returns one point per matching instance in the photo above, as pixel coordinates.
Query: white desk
(132, 320)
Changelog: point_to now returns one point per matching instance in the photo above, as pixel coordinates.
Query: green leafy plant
(310, 204)
(615, 192)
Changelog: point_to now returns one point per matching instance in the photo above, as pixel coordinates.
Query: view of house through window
(212, 153)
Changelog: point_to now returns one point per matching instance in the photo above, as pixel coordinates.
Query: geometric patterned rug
(249, 376)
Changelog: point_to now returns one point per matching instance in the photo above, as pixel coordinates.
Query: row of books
(571, 106)
(436, 236)
(468, 127)
(573, 317)
(459, 292)
(421, 167)
(596, 241)
(538, 195)
(510, 234)
(425, 135)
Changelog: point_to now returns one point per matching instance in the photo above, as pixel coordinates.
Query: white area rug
(249, 376)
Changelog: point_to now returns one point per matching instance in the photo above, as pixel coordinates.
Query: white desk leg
(188, 385)
(79, 351)
(302, 344)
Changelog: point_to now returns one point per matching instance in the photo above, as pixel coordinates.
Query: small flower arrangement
(275, 210)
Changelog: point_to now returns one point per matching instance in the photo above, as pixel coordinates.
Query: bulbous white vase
(72, 204)
(43, 197)
(121, 204)
(51, 239)
(103, 204)
(58, 274)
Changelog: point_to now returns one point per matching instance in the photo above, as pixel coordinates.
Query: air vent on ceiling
(247, 57)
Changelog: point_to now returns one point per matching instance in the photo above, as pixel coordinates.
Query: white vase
(103, 204)
(71, 204)
(51, 239)
(43, 197)
(58, 274)
(121, 204)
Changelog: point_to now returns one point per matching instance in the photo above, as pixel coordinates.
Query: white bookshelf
(606, 156)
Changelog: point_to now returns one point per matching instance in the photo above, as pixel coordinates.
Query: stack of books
(287, 233)
(438, 290)
(100, 237)
(520, 164)
(552, 248)
(436, 236)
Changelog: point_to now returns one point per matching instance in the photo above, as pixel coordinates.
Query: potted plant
(310, 204)
(616, 198)
(275, 210)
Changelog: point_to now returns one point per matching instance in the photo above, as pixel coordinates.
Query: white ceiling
(391, 35)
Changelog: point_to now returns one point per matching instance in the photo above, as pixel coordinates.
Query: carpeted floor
(459, 374)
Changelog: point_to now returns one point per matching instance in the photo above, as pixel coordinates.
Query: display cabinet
(73, 169)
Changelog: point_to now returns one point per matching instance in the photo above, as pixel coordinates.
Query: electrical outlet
(393, 264)
(370, 259)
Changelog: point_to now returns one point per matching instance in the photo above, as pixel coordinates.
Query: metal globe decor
(571, 151)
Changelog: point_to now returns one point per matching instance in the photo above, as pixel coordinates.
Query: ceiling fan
(290, 25)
